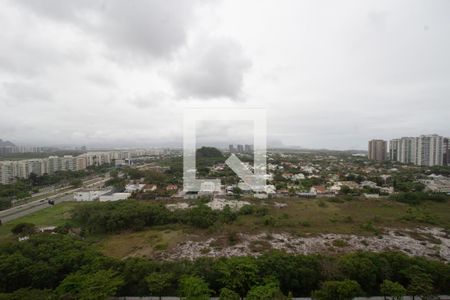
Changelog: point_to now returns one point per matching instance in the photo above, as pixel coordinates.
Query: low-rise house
(89, 195)
(150, 187)
(387, 190)
(369, 184)
(114, 197)
(270, 189)
(351, 184)
(299, 176)
(172, 187)
(306, 194)
(371, 196)
(130, 188)
(287, 175)
(318, 189)
(437, 186)
(283, 192)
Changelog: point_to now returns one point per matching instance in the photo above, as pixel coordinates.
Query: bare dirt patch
(427, 241)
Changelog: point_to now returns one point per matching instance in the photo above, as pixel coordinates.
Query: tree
(239, 274)
(227, 294)
(158, 283)
(23, 228)
(338, 290)
(194, 288)
(269, 291)
(393, 289)
(76, 183)
(90, 286)
(421, 284)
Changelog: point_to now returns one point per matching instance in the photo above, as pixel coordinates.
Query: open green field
(358, 216)
(51, 216)
(301, 217)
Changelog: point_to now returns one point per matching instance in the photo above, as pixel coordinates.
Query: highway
(61, 195)
(31, 207)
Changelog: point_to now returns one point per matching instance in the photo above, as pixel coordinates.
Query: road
(31, 207)
(64, 195)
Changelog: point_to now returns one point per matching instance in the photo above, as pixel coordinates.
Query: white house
(89, 195)
(129, 188)
(115, 197)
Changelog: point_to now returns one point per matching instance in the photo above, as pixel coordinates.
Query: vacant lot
(301, 218)
(315, 216)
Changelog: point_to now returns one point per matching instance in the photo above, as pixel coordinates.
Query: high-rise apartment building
(377, 150)
(429, 150)
(446, 152)
(407, 150)
(394, 146)
(10, 170)
(248, 148)
(425, 150)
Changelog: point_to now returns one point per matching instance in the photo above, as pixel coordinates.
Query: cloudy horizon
(331, 74)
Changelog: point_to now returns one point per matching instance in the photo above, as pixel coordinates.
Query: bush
(338, 290)
(227, 294)
(23, 229)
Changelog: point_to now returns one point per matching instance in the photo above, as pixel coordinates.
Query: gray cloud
(155, 27)
(20, 92)
(214, 69)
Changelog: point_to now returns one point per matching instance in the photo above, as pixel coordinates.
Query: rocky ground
(429, 242)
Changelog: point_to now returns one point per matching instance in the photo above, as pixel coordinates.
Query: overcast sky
(331, 74)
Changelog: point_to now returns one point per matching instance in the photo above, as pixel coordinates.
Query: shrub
(23, 229)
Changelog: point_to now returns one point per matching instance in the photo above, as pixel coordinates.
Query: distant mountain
(6, 143)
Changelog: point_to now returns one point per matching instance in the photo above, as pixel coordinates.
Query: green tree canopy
(158, 283)
(90, 286)
(338, 290)
(194, 288)
(393, 289)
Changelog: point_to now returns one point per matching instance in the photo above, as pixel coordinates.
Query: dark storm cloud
(212, 70)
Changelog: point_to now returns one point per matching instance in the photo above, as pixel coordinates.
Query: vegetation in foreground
(58, 266)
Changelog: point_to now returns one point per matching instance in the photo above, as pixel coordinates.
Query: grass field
(359, 216)
(301, 217)
(51, 216)
(144, 243)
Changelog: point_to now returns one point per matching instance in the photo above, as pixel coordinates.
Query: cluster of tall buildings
(240, 148)
(10, 170)
(425, 150)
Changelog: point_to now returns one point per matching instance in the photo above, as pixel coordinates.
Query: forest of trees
(106, 217)
(58, 266)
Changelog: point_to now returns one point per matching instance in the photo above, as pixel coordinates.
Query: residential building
(407, 149)
(394, 146)
(89, 195)
(446, 152)
(429, 150)
(114, 197)
(377, 150)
